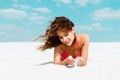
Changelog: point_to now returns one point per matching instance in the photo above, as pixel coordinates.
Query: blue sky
(24, 20)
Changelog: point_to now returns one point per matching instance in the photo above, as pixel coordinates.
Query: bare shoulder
(83, 39)
(83, 36)
(58, 49)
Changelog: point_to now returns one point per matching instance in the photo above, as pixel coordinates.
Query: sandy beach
(21, 61)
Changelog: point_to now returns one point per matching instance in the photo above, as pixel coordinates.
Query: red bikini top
(64, 55)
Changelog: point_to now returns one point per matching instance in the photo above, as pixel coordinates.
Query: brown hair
(51, 38)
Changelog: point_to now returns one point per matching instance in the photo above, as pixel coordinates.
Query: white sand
(21, 61)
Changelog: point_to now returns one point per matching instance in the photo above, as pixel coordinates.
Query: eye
(60, 37)
(66, 34)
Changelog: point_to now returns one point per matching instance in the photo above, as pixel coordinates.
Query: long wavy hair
(51, 39)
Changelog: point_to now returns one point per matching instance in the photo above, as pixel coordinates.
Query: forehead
(62, 32)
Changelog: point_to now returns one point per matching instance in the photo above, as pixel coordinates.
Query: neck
(74, 41)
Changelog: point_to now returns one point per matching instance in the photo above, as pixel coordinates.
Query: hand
(70, 60)
(78, 61)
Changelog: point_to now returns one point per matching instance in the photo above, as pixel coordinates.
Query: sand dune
(21, 61)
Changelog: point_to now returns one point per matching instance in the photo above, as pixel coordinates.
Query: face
(66, 37)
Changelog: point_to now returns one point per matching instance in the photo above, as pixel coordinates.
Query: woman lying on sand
(70, 48)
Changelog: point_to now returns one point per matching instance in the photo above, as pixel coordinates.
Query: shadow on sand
(45, 63)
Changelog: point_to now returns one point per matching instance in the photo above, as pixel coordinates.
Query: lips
(67, 43)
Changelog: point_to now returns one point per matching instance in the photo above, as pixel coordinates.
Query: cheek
(70, 36)
(60, 40)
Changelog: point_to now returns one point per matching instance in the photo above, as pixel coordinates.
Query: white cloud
(85, 2)
(12, 13)
(24, 7)
(58, 4)
(11, 31)
(17, 1)
(10, 27)
(81, 2)
(33, 14)
(36, 18)
(106, 13)
(84, 27)
(2, 33)
(76, 2)
(42, 10)
(95, 26)
(63, 1)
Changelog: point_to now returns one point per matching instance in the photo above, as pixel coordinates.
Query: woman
(69, 47)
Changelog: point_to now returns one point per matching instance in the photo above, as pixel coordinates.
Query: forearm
(83, 62)
(85, 49)
(68, 61)
(62, 62)
(84, 54)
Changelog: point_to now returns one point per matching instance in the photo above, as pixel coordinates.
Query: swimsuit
(64, 55)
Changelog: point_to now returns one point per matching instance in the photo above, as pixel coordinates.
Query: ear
(73, 29)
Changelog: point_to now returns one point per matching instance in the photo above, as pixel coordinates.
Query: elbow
(83, 64)
(60, 63)
(55, 62)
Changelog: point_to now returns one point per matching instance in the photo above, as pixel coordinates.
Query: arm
(57, 57)
(84, 50)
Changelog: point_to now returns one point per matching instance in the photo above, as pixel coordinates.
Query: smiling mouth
(67, 42)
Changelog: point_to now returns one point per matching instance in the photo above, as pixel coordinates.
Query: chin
(69, 44)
